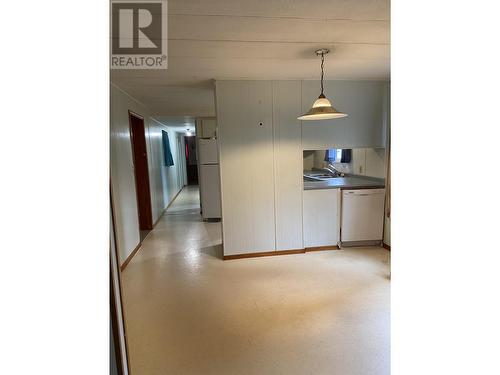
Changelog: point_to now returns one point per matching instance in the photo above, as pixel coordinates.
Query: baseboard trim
(173, 199)
(166, 208)
(264, 254)
(322, 248)
(279, 252)
(159, 217)
(385, 246)
(129, 258)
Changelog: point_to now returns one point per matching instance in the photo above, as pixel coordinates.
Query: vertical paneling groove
(274, 121)
(302, 165)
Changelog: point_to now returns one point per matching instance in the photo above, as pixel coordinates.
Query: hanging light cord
(322, 70)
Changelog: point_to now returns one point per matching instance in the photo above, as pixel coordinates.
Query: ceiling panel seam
(280, 41)
(281, 17)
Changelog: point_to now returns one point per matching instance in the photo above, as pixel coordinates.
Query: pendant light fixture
(322, 108)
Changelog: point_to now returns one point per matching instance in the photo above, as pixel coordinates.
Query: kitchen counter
(348, 182)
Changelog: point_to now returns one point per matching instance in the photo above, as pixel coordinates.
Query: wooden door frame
(131, 133)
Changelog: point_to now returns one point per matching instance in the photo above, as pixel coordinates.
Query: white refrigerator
(208, 159)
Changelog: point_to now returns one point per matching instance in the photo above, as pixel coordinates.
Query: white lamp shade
(321, 110)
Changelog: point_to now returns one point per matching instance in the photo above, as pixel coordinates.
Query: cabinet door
(208, 152)
(208, 128)
(245, 135)
(321, 217)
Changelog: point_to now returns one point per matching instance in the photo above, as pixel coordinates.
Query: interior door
(141, 171)
(191, 160)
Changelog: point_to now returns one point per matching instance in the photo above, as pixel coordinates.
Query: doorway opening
(191, 160)
(141, 173)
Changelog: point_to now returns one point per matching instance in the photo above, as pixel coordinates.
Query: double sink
(319, 176)
(323, 180)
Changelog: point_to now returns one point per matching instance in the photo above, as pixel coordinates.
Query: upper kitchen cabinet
(245, 135)
(365, 102)
(206, 127)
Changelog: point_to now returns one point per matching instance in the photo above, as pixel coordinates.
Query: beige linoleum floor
(189, 312)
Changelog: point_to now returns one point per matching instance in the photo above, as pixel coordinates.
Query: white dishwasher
(362, 215)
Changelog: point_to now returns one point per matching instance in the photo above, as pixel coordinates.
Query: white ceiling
(259, 39)
(178, 123)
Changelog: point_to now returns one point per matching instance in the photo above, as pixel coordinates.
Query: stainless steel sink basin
(309, 178)
(319, 177)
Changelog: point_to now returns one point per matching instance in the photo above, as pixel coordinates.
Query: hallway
(189, 312)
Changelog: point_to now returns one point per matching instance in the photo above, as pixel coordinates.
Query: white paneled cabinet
(245, 134)
(261, 160)
(321, 217)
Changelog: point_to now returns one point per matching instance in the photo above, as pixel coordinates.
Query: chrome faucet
(333, 171)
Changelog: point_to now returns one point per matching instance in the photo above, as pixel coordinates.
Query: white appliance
(208, 159)
(362, 215)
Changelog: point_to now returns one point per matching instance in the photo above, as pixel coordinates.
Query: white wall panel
(369, 162)
(375, 162)
(288, 165)
(165, 182)
(122, 173)
(244, 116)
(363, 101)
